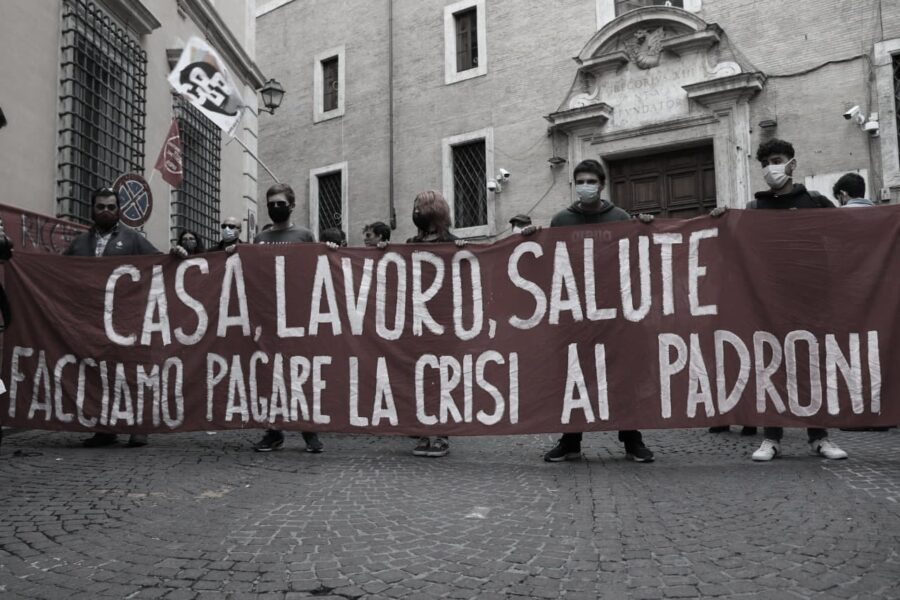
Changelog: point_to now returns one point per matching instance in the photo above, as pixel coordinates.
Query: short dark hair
(103, 192)
(773, 147)
(333, 235)
(281, 188)
(852, 183)
(590, 166)
(380, 229)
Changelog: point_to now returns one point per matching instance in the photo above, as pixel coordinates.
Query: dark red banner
(758, 318)
(34, 232)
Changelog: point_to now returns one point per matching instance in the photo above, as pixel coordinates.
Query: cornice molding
(134, 14)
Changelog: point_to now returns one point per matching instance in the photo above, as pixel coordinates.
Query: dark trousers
(776, 433)
(573, 440)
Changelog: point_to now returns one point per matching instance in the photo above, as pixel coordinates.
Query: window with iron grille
(330, 83)
(623, 6)
(102, 107)
(466, 39)
(469, 185)
(896, 61)
(195, 205)
(330, 202)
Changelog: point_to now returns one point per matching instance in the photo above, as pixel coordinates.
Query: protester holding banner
(376, 232)
(280, 202)
(431, 216)
(231, 235)
(850, 191)
(778, 163)
(591, 209)
(189, 242)
(109, 237)
(334, 236)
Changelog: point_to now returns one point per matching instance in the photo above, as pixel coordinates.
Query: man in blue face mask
(589, 208)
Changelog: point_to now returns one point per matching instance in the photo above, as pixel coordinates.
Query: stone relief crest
(645, 47)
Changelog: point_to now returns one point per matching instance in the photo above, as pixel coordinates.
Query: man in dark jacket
(778, 163)
(590, 209)
(108, 237)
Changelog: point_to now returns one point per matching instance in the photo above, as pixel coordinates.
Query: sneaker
(137, 440)
(560, 453)
(719, 429)
(748, 431)
(439, 447)
(827, 448)
(99, 440)
(768, 450)
(422, 447)
(272, 440)
(638, 452)
(313, 443)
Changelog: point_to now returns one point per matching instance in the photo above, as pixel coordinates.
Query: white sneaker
(828, 449)
(768, 450)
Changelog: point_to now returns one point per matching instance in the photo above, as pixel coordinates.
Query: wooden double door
(677, 184)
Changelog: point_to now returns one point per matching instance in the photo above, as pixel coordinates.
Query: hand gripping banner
(758, 318)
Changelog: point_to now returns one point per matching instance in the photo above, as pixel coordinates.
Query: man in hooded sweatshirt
(590, 209)
(777, 160)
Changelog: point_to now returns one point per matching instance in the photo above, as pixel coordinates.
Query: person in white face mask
(778, 164)
(231, 235)
(590, 209)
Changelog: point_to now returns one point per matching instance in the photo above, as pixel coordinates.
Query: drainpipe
(391, 210)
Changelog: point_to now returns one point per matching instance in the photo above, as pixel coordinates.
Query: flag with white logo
(202, 77)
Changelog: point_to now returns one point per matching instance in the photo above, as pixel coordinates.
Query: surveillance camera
(504, 174)
(493, 185)
(851, 113)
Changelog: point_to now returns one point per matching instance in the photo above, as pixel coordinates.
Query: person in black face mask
(108, 237)
(431, 216)
(280, 203)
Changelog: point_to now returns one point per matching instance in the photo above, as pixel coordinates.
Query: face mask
(229, 235)
(516, 229)
(775, 175)
(588, 192)
(420, 221)
(105, 220)
(279, 214)
(189, 245)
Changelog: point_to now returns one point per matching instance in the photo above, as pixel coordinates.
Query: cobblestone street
(202, 516)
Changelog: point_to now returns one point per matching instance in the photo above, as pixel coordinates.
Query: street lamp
(272, 94)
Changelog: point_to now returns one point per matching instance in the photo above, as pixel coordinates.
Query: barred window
(466, 39)
(469, 185)
(330, 83)
(896, 60)
(102, 107)
(623, 6)
(195, 205)
(330, 202)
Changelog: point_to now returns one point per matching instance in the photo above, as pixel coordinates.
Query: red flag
(169, 162)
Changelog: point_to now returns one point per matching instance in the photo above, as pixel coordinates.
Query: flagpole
(256, 158)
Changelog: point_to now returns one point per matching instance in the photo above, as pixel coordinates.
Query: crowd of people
(433, 223)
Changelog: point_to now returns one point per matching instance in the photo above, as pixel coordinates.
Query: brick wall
(530, 70)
